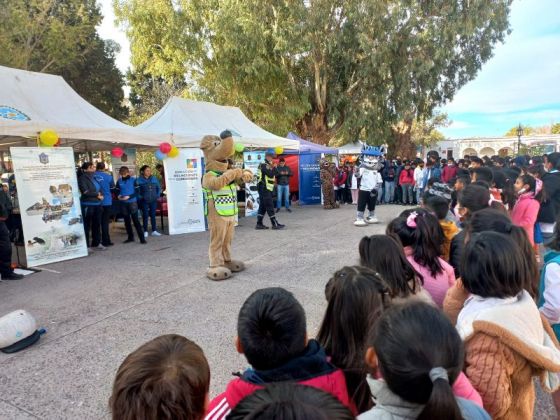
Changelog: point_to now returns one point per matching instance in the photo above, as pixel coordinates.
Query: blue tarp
(306, 147)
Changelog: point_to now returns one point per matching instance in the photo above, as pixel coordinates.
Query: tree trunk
(402, 143)
(314, 127)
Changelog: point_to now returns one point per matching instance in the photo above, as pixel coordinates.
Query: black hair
(483, 174)
(100, 166)
(464, 179)
(532, 183)
(159, 166)
(431, 182)
(286, 400)
(474, 198)
(143, 168)
(425, 239)
(86, 165)
(123, 169)
(476, 159)
(282, 160)
(356, 297)
(537, 170)
(271, 327)
(554, 160)
(493, 220)
(385, 255)
(482, 184)
(494, 266)
(439, 205)
(410, 340)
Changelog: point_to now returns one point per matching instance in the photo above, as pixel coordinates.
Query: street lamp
(519, 134)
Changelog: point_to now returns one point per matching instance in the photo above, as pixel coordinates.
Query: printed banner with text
(49, 202)
(185, 205)
(309, 179)
(252, 160)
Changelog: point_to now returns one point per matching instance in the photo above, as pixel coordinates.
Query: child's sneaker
(156, 233)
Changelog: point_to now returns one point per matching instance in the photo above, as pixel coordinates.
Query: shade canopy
(31, 102)
(187, 121)
(307, 147)
(351, 148)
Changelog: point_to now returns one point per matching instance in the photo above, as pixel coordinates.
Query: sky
(520, 84)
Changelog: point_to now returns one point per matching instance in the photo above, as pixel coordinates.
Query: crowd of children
(447, 317)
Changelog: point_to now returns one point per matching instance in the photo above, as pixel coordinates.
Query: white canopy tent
(31, 102)
(351, 148)
(188, 121)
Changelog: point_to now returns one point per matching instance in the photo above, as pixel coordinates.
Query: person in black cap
(265, 175)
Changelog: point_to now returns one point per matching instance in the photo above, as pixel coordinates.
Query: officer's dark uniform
(265, 186)
(6, 247)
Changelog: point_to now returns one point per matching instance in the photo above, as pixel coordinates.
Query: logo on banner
(9, 113)
(44, 158)
(192, 163)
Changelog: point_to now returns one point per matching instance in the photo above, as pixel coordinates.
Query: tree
(512, 132)
(555, 128)
(425, 133)
(331, 68)
(60, 37)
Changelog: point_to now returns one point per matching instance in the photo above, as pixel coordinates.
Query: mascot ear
(382, 150)
(208, 141)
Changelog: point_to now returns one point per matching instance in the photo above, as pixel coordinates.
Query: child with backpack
(272, 334)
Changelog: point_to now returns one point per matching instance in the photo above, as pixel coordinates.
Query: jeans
(407, 193)
(389, 191)
(419, 192)
(149, 209)
(283, 193)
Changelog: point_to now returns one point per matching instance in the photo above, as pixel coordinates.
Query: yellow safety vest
(269, 182)
(225, 199)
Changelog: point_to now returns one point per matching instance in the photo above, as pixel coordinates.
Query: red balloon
(117, 152)
(165, 148)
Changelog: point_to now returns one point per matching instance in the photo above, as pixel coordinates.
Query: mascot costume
(327, 185)
(220, 199)
(370, 181)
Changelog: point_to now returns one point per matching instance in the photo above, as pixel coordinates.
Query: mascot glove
(247, 176)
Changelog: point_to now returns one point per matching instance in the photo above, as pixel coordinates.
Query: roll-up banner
(252, 160)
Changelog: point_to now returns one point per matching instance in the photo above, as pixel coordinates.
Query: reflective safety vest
(225, 199)
(269, 182)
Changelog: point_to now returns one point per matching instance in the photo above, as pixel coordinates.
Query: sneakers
(100, 247)
(146, 234)
(12, 276)
(372, 219)
(360, 222)
(156, 233)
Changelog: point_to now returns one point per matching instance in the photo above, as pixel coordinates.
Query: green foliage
(425, 132)
(512, 132)
(60, 37)
(334, 69)
(555, 128)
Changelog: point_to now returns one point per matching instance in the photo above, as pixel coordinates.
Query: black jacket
(283, 174)
(89, 189)
(456, 252)
(550, 208)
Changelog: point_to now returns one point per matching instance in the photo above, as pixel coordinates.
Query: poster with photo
(49, 202)
(252, 160)
(128, 159)
(185, 205)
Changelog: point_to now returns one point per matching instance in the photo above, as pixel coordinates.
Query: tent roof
(307, 147)
(191, 120)
(31, 102)
(351, 148)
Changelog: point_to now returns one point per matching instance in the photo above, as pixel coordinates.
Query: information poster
(309, 179)
(252, 160)
(49, 201)
(128, 159)
(185, 200)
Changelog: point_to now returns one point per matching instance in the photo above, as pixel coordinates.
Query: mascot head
(372, 157)
(217, 150)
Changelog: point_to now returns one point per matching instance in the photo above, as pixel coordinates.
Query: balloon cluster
(166, 150)
(277, 151)
(49, 138)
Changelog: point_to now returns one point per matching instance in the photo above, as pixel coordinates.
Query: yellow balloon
(174, 152)
(279, 150)
(48, 137)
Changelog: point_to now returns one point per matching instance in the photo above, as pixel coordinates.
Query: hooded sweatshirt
(525, 213)
(311, 368)
(507, 343)
(389, 406)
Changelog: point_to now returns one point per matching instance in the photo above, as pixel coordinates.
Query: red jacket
(448, 173)
(311, 369)
(406, 177)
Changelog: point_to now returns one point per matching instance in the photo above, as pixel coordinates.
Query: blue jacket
(128, 187)
(107, 185)
(433, 172)
(149, 189)
(549, 258)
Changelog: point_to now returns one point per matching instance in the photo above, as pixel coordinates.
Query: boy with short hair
(272, 334)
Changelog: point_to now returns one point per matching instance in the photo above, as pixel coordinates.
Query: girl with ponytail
(419, 355)
(421, 236)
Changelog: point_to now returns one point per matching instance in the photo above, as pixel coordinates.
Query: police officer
(6, 270)
(265, 175)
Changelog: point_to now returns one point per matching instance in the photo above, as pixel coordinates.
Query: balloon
(117, 152)
(239, 147)
(270, 151)
(48, 137)
(279, 150)
(165, 148)
(174, 152)
(159, 155)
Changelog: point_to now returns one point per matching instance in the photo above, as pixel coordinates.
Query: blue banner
(309, 179)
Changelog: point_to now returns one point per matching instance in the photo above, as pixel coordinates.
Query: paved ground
(100, 308)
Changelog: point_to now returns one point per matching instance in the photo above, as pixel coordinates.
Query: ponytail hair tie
(438, 373)
(411, 220)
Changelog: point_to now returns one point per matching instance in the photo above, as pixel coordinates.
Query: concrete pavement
(100, 308)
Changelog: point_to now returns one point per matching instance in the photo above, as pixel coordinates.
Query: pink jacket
(435, 285)
(525, 213)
